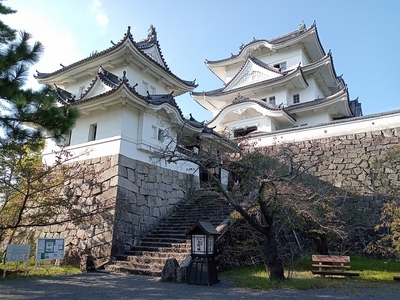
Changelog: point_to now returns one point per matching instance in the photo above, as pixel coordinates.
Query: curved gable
(247, 109)
(253, 71)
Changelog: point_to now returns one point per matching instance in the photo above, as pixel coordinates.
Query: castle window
(145, 86)
(161, 134)
(296, 98)
(281, 66)
(81, 90)
(244, 131)
(158, 133)
(271, 100)
(92, 132)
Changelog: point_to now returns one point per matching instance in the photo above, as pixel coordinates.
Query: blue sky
(363, 35)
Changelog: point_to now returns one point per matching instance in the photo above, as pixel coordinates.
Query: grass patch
(301, 278)
(17, 270)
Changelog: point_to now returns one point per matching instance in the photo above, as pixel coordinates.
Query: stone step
(169, 239)
(146, 262)
(133, 271)
(146, 256)
(175, 227)
(163, 239)
(195, 209)
(155, 249)
(140, 256)
(159, 244)
(170, 233)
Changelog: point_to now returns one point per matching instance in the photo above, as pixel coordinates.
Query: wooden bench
(332, 265)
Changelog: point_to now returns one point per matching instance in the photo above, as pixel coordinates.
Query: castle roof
(286, 115)
(148, 50)
(218, 98)
(105, 85)
(241, 104)
(307, 37)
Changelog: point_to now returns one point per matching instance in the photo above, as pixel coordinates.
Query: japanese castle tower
(125, 96)
(282, 87)
(277, 84)
(126, 99)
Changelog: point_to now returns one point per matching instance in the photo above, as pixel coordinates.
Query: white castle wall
(342, 127)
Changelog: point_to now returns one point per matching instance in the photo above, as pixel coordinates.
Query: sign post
(49, 249)
(17, 253)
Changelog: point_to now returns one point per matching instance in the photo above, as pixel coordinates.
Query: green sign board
(49, 249)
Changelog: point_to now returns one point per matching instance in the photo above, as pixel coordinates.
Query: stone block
(135, 220)
(114, 181)
(81, 234)
(128, 185)
(109, 173)
(182, 270)
(141, 200)
(155, 212)
(131, 174)
(169, 272)
(114, 160)
(145, 211)
(110, 193)
(144, 191)
(127, 162)
(122, 171)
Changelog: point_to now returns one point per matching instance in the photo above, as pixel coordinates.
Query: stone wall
(94, 190)
(354, 163)
(127, 198)
(351, 161)
(131, 197)
(146, 195)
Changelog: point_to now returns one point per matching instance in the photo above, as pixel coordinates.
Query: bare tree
(386, 187)
(33, 194)
(273, 181)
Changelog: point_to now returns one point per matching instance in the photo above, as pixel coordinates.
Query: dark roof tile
(150, 41)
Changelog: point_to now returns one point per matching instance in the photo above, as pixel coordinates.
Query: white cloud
(102, 19)
(59, 43)
(100, 16)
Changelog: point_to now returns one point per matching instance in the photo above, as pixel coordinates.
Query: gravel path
(120, 286)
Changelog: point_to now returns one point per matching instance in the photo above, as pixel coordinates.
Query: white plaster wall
(313, 118)
(352, 126)
(92, 149)
(292, 57)
(130, 122)
(115, 145)
(150, 124)
(109, 123)
(280, 96)
(312, 92)
(265, 124)
(121, 130)
(134, 76)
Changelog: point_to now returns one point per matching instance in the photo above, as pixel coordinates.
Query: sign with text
(49, 249)
(17, 253)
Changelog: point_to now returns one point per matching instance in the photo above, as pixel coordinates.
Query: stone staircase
(168, 239)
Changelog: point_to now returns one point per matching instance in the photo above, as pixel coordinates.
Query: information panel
(49, 249)
(17, 253)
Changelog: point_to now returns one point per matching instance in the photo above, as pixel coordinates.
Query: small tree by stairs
(168, 239)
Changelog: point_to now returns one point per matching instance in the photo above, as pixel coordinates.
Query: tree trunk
(274, 263)
(321, 244)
